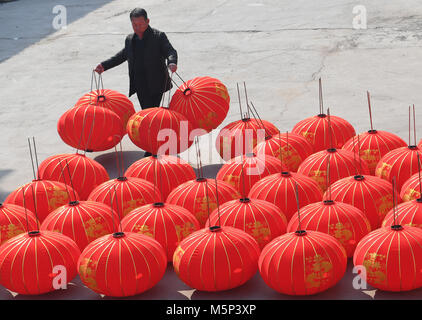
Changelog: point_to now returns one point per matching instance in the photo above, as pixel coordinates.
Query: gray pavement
(280, 48)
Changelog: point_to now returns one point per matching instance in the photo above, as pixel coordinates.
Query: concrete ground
(279, 47)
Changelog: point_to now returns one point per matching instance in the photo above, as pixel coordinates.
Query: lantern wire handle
(36, 156)
(354, 155)
(409, 127)
(218, 203)
(298, 207)
(64, 178)
(246, 98)
(71, 182)
(118, 209)
(243, 176)
(394, 200)
(360, 159)
(179, 77)
(414, 124)
(287, 142)
(111, 207)
(328, 181)
(116, 155)
(93, 79)
(370, 109)
(26, 211)
(89, 135)
(122, 160)
(281, 153)
(419, 175)
(155, 175)
(330, 129)
(32, 158)
(198, 157)
(35, 207)
(321, 102)
(161, 180)
(267, 134)
(168, 101)
(240, 103)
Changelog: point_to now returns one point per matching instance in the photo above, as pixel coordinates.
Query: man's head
(140, 21)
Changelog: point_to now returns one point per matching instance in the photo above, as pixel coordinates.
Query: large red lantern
(125, 194)
(372, 195)
(199, 197)
(344, 222)
(204, 101)
(342, 164)
(401, 163)
(85, 173)
(122, 264)
(243, 172)
(109, 99)
(291, 148)
(82, 221)
(279, 189)
(160, 131)
(15, 220)
(242, 136)
(167, 172)
(216, 258)
(302, 262)
(261, 219)
(373, 145)
(316, 130)
(411, 188)
(42, 196)
(167, 223)
(392, 257)
(90, 128)
(405, 214)
(30, 261)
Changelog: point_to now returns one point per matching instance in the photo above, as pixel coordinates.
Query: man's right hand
(99, 69)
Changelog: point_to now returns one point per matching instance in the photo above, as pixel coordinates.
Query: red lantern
(30, 261)
(344, 222)
(392, 257)
(241, 137)
(91, 128)
(160, 131)
(261, 219)
(316, 130)
(216, 258)
(401, 163)
(167, 172)
(279, 189)
(374, 144)
(411, 188)
(109, 99)
(82, 221)
(406, 214)
(243, 172)
(47, 195)
(15, 220)
(85, 173)
(302, 262)
(372, 195)
(294, 149)
(342, 164)
(167, 223)
(204, 101)
(122, 264)
(200, 198)
(125, 194)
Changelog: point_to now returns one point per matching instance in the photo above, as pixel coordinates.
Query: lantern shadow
(109, 161)
(75, 291)
(5, 294)
(210, 171)
(4, 194)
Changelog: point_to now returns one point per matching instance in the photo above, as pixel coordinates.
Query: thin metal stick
(281, 153)
(111, 207)
(321, 102)
(208, 201)
(240, 103)
(409, 127)
(32, 158)
(369, 106)
(298, 208)
(35, 207)
(243, 176)
(246, 98)
(354, 155)
(218, 204)
(26, 211)
(414, 124)
(36, 156)
(262, 123)
(118, 209)
(328, 181)
(64, 178)
(394, 200)
(360, 159)
(330, 129)
(71, 182)
(419, 175)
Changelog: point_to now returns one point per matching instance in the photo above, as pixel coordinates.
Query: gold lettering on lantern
(9, 231)
(375, 267)
(184, 230)
(87, 271)
(372, 156)
(57, 198)
(129, 205)
(201, 209)
(310, 136)
(317, 271)
(411, 194)
(177, 256)
(232, 180)
(320, 177)
(341, 232)
(259, 231)
(207, 122)
(94, 228)
(143, 229)
(384, 171)
(221, 90)
(384, 204)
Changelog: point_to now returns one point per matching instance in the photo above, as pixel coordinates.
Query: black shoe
(147, 154)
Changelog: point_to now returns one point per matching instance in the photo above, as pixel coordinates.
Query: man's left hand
(172, 67)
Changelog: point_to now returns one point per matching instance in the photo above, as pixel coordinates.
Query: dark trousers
(149, 100)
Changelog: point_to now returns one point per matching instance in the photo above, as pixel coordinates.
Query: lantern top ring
(396, 227)
(187, 91)
(118, 234)
(419, 200)
(322, 115)
(101, 98)
(300, 233)
(121, 178)
(202, 179)
(34, 233)
(359, 177)
(332, 150)
(73, 203)
(328, 202)
(245, 200)
(413, 147)
(285, 174)
(372, 131)
(215, 228)
(158, 204)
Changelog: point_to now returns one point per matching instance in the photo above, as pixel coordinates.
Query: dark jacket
(157, 50)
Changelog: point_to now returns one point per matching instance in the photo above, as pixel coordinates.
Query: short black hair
(138, 12)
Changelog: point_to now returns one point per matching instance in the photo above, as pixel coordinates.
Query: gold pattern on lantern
(375, 267)
(384, 171)
(201, 208)
(372, 157)
(232, 180)
(9, 231)
(320, 177)
(259, 231)
(384, 204)
(94, 228)
(182, 231)
(57, 197)
(129, 205)
(411, 194)
(208, 121)
(317, 271)
(143, 229)
(221, 90)
(342, 232)
(310, 136)
(87, 271)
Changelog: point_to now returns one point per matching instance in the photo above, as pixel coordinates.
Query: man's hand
(172, 67)
(99, 69)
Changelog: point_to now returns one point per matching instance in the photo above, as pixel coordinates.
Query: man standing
(146, 51)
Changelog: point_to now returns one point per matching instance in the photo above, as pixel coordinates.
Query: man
(146, 51)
